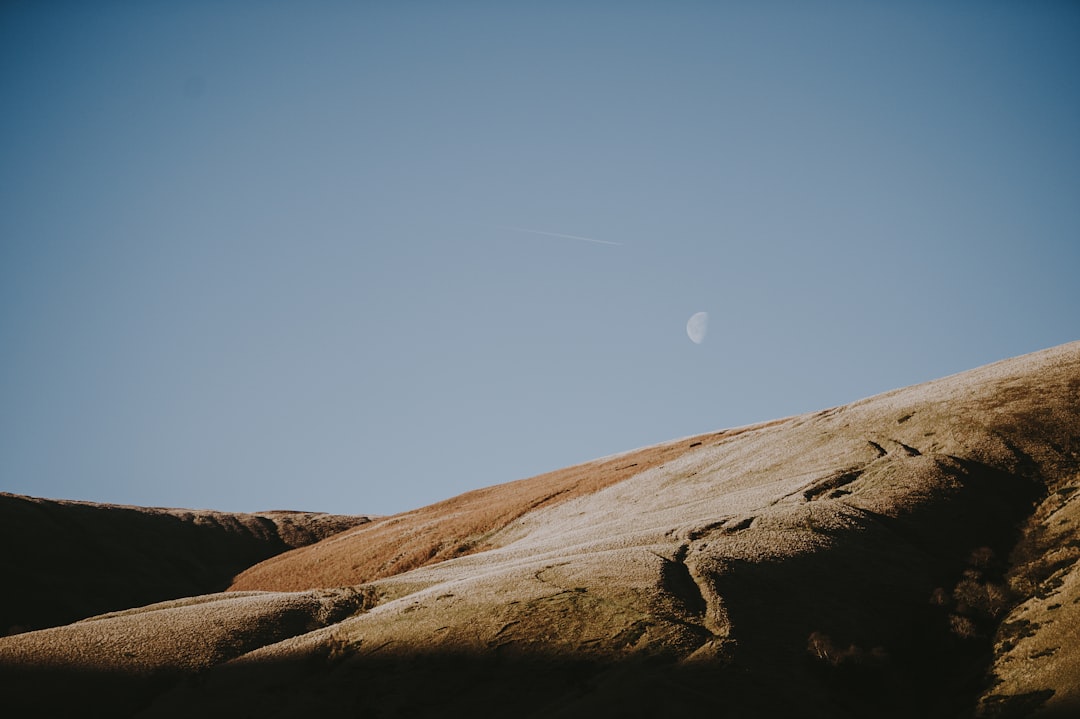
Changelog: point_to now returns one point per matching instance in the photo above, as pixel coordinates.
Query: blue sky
(269, 255)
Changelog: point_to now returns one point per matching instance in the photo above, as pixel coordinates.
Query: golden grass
(452, 528)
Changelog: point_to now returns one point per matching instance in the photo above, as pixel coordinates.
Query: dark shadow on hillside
(65, 561)
(419, 685)
(898, 617)
(468, 684)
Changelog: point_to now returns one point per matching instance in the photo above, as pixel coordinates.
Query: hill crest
(912, 553)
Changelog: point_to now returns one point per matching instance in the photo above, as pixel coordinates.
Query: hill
(910, 554)
(77, 559)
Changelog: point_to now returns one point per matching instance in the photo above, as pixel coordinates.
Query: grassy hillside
(910, 554)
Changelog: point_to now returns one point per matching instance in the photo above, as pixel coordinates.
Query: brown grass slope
(67, 560)
(911, 554)
(456, 527)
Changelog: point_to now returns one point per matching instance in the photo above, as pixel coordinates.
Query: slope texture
(912, 554)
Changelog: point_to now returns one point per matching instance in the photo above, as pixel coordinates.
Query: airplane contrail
(559, 234)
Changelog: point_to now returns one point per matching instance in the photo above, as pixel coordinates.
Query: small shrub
(823, 648)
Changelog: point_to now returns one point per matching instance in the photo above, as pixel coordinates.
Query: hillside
(77, 559)
(910, 554)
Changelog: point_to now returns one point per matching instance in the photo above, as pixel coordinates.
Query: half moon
(697, 326)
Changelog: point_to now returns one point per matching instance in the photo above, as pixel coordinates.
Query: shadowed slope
(77, 559)
(890, 558)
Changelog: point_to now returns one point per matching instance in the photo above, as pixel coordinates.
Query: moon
(697, 326)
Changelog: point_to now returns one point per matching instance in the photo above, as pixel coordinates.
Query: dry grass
(159, 636)
(129, 656)
(1035, 664)
(453, 528)
(851, 562)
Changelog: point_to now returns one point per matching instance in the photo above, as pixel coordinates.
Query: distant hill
(65, 561)
(910, 554)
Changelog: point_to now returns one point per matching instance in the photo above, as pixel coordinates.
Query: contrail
(559, 234)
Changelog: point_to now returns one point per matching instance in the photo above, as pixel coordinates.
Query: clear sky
(288, 255)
